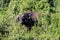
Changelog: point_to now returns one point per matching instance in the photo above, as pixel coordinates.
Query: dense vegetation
(48, 27)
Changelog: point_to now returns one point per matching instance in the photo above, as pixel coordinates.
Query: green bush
(48, 27)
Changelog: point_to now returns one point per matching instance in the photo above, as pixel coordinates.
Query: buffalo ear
(17, 19)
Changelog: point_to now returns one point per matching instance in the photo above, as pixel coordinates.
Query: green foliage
(48, 27)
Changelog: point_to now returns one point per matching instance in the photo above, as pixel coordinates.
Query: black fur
(27, 19)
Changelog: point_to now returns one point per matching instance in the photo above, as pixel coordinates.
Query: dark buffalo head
(28, 19)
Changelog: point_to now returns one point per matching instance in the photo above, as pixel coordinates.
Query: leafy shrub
(48, 27)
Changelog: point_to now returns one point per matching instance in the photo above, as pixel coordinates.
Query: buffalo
(28, 19)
